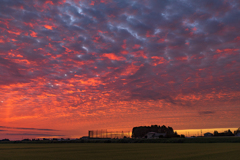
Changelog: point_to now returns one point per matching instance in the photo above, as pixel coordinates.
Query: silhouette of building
(208, 134)
(154, 135)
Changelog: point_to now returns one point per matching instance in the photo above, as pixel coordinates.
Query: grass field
(139, 151)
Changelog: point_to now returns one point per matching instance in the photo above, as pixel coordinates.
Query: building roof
(208, 133)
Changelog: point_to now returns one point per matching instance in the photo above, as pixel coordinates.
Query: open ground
(140, 151)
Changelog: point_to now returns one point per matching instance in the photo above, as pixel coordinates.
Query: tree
(182, 136)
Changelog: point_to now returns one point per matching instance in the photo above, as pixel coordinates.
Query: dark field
(117, 151)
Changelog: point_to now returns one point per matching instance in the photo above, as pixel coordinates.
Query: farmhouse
(154, 135)
(208, 134)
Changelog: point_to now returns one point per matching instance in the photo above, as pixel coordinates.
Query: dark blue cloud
(22, 128)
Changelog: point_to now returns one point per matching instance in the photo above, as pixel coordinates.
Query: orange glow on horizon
(200, 132)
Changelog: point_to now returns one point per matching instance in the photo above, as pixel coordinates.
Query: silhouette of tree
(141, 131)
(182, 136)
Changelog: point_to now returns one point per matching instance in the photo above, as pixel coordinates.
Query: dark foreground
(124, 151)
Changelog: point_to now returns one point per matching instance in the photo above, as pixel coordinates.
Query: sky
(69, 66)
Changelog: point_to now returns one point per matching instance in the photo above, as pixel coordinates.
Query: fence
(108, 134)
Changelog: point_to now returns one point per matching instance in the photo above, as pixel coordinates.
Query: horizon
(69, 66)
(186, 132)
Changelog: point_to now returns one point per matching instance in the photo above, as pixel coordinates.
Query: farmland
(140, 151)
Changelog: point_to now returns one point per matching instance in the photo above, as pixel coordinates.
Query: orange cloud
(182, 58)
(16, 33)
(33, 34)
(48, 27)
(131, 69)
(112, 56)
(140, 53)
(158, 60)
(49, 2)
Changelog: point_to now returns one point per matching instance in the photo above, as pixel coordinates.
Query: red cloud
(225, 52)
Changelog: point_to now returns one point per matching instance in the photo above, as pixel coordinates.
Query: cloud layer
(66, 61)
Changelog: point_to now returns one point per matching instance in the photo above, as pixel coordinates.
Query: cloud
(77, 59)
(37, 129)
(32, 134)
(207, 112)
(19, 128)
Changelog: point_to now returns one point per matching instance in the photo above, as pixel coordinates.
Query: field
(117, 151)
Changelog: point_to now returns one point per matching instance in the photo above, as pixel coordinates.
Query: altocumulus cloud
(69, 58)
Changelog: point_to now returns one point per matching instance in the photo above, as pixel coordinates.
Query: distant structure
(85, 137)
(154, 135)
(208, 134)
(237, 132)
(108, 134)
